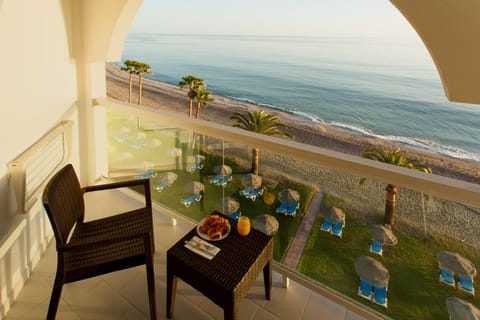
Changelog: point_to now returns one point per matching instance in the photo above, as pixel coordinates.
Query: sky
(336, 18)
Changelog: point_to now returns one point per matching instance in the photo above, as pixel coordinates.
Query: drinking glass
(243, 225)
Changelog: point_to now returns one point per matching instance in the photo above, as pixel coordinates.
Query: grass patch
(414, 290)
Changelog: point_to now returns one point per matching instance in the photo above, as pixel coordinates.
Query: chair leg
(55, 298)
(151, 282)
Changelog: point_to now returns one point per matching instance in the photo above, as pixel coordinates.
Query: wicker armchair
(100, 246)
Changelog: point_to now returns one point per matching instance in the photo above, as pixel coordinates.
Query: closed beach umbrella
(372, 270)
(383, 235)
(456, 263)
(266, 223)
(252, 180)
(459, 309)
(167, 177)
(194, 187)
(335, 214)
(289, 195)
(224, 170)
(228, 205)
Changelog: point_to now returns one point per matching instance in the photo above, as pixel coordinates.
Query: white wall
(37, 89)
(53, 55)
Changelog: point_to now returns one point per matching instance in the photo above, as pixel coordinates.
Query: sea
(386, 88)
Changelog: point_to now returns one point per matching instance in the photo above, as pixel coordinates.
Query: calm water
(386, 88)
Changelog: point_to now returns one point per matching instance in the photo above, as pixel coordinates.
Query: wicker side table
(226, 278)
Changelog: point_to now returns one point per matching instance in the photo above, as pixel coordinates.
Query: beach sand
(164, 96)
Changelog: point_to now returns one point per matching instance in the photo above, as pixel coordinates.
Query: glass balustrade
(323, 218)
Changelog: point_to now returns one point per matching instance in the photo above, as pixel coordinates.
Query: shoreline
(158, 95)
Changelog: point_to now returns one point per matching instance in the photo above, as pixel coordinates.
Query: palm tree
(190, 82)
(203, 99)
(399, 158)
(259, 121)
(129, 66)
(140, 69)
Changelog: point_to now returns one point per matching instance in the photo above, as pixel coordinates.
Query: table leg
(171, 292)
(229, 311)
(267, 279)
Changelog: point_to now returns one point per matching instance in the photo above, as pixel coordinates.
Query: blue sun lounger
(326, 225)
(365, 289)
(147, 174)
(337, 228)
(160, 186)
(216, 179)
(246, 191)
(292, 209)
(196, 166)
(447, 278)
(235, 215)
(282, 208)
(465, 283)
(188, 201)
(376, 247)
(223, 181)
(255, 193)
(380, 295)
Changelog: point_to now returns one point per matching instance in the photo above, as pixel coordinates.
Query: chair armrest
(104, 239)
(116, 185)
(123, 184)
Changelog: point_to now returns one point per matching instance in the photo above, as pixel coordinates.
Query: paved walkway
(296, 247)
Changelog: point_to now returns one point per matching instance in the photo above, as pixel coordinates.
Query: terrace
(123, 295)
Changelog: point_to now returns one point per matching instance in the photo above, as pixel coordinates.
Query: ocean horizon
(386, 88)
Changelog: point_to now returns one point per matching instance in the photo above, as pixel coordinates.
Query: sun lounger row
(221, 180)
(465, 283)
(188, 200)
(334, 228)
(288, 209)
(251, 193)
(376, 294)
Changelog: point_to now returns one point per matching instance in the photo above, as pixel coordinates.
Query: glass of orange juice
(243, 225)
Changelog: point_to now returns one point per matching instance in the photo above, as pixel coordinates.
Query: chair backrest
(63, 201)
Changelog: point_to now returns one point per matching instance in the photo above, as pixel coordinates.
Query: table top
(229, 267)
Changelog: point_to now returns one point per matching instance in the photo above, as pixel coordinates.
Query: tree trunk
(255, 161)
(197, 113)
(130, 88)
(390, 204)
(140, 82)
(191, 108)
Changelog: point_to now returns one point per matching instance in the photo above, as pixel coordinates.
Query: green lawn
(414, 290)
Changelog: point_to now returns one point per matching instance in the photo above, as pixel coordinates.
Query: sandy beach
(168, 97)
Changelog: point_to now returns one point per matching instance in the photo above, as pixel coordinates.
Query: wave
(422, 144)
(417, 143)
(307, 115)
(302, 114)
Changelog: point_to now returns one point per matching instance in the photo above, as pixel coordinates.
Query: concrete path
(296, 247)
